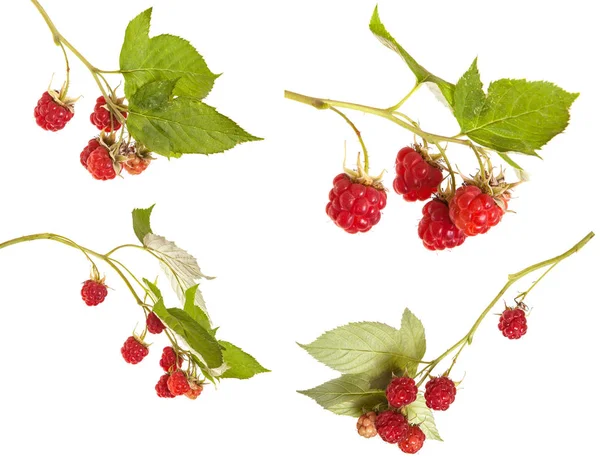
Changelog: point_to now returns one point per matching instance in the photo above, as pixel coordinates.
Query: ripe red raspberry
(436, 229)
(391, 426)
(135, 165)
(413, 441)
(169, 360)
(366, 425)
(513, 323)
(93, 292)
(178, 383)
(51, 115)
(154, 324)
(102, 117)
(473, 211)
(195, 390)
(416, 179)
(100, 164)
(133, 351)
(162, 390)
(353, 206)
(440, 392)
(92, 145)
(401, 391)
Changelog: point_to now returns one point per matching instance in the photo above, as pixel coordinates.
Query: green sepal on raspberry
(133, 350)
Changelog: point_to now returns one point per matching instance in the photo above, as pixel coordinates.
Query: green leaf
(241, 364)
(422, 75)
(191, 332)
(363, 347)
(183, 126)
(419, 414)
(153, 288)
(412, 341)
(516, 115)
(195, 311)
(154, 95)
(164, 57)
(349, 395)
(510, 161)
(141, 222)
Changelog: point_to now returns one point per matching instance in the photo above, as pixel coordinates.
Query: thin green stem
(512, 279)
(405, 98)
(358, 135)
(448, 165)
(124, 246)
(521, 297)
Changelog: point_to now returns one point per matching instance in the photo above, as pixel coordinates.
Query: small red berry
(416, 179)
(93, 292)
(154, 324)
(436, 229)
(100, 164)
(401, 391)
(103, 119)
(50, 115)
(135, 165)
(162, 390)
(440, 392)
(92, 145)
(355, 207)
(195, 390)
(513, 323)
(413, 441)
(473, 211)
(134, 351)
(169, 360)
(178, 383)
(391, 426)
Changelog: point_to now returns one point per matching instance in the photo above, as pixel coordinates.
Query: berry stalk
(512, 279)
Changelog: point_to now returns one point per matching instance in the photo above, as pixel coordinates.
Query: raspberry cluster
(354, 206)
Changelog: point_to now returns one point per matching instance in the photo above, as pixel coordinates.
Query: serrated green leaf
(153, 288)
(510, 161)
(349, 395)
(422, 75)
(412, 341)
(194, 311)
(362, 347)
(164, 57)
(241, 364)
(154, 95)
(192, 333)
(141, 222)
(516, 115)
(184, 126)
(418, 413)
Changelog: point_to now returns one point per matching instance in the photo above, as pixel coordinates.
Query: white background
(255, 218)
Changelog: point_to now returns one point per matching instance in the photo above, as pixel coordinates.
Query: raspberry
(413, 441)
(473, 211)
(178, 383)
(162, 390)
(401, 391)
(416, 179)
(366, 425)
(194, 392)
(440, 392)
(353, 206)
(103, 119)
(513, 323)
(436, 229)
(170, 360)
(50, 115)
(134, 351)
(154, 324)
(93, 292)
(391, 426)
(92, 145)
(100, 164)
(135, 165)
